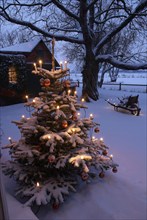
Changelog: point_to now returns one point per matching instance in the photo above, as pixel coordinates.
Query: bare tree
(91, 23)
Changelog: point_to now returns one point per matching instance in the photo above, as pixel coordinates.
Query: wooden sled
(129, 103)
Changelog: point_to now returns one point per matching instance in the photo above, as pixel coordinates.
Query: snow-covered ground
(120, 196)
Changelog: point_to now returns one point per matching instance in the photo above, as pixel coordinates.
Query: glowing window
(12, 75)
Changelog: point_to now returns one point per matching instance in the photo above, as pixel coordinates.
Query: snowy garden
(120, 195)
(73, 152)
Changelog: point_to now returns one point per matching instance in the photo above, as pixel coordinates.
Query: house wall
(32, 82)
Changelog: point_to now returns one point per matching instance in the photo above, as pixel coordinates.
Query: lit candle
(101, 139)
(40, 63)
(27, 97)
(78, 114)
(75, 93)
(91, 116)
(93, 138)
(61, 65)
(58, 107)
(82, 99)
(23, 116)
(33, 100)
(35, 66)
(9, 138)
(73, 130)
(69, 91)
(65, 64)
(37, 184)
(111, 156)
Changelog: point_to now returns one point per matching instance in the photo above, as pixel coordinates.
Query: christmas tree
(56, 150)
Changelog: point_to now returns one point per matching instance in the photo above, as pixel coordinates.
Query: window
(12, 74)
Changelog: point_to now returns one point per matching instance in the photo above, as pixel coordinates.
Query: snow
(118, 196)
(22, 47)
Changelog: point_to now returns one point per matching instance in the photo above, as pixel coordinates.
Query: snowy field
(119, 196)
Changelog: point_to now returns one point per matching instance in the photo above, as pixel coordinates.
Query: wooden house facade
(16, 65)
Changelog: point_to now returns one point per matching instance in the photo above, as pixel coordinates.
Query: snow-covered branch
(119, 64)
(40, 30)
(142, 5)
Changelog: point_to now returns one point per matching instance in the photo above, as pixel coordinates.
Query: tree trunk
(90, 78)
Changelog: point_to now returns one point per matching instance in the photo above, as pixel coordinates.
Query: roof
(22, 47)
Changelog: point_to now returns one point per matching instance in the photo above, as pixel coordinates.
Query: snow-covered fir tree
(57, 149)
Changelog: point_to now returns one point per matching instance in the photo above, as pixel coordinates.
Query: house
(16, 65)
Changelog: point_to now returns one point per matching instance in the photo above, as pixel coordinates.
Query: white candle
(61, 65)
(38, 185)
(40, 63)
(9, 138)
(65, 64)
(27, 97)
(35, 66)
(91, 116)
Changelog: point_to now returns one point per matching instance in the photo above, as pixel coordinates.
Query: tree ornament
(96, 130)
(51, 158)
(55, 205)
(84, 176)
(102, 174)
(47, 82)
(67, 84)
(105, 152)
(64, 124)
(114, 170)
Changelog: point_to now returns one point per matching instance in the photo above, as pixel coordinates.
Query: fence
(123, 84)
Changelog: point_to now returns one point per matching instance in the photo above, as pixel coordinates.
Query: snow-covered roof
(22, 47)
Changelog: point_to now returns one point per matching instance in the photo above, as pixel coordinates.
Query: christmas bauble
(64, 124)
(96, 130)
(102, 174)
(55, 205)
(47, 82)
(67, 84)
(114, 170)
(105, 152)
(84, 175)
(51, 158)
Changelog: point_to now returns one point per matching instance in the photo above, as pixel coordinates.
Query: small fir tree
(56, 150)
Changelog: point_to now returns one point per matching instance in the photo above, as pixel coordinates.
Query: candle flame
(101, 139)
(37, 184)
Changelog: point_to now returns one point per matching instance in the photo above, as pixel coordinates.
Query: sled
(129, 103)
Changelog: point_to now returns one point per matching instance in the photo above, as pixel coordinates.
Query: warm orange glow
(37, 184)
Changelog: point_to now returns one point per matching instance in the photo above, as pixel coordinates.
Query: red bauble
(102, 174)
(96, 130)
(105, 152)
(64, 124)
(47, 82)
(55, 205)
(84, 176)
(51, 158)
(114, 170)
